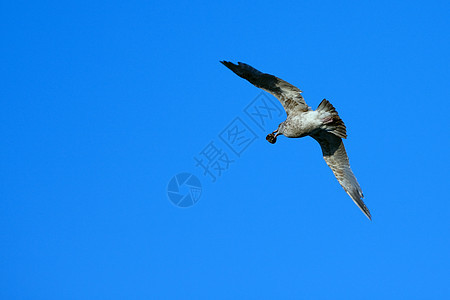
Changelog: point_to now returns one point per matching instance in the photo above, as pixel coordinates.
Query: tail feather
(333, 123)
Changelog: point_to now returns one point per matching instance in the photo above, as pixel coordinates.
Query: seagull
(323, 124)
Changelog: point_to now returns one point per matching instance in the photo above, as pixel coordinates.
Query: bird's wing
(335, 156)
(289, 95)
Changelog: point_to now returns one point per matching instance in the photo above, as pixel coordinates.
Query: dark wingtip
(367, 213)
(358, 199)
(228, 64)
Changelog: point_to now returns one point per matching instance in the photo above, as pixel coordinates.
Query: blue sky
(104, 102)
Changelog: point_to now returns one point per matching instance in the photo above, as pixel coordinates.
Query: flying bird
(323, 124)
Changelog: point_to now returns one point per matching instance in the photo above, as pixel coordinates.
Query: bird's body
(322, 124)
(303, 124)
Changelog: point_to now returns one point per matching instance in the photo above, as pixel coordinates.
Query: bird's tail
(332, 123)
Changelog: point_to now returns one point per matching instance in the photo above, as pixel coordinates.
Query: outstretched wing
(289, 95)
(335, 156)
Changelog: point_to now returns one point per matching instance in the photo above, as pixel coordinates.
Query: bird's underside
(323, 124)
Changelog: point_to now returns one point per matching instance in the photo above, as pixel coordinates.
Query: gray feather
(289, 95)
(335, 156)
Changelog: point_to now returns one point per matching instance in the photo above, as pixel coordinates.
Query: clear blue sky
(103, 102)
